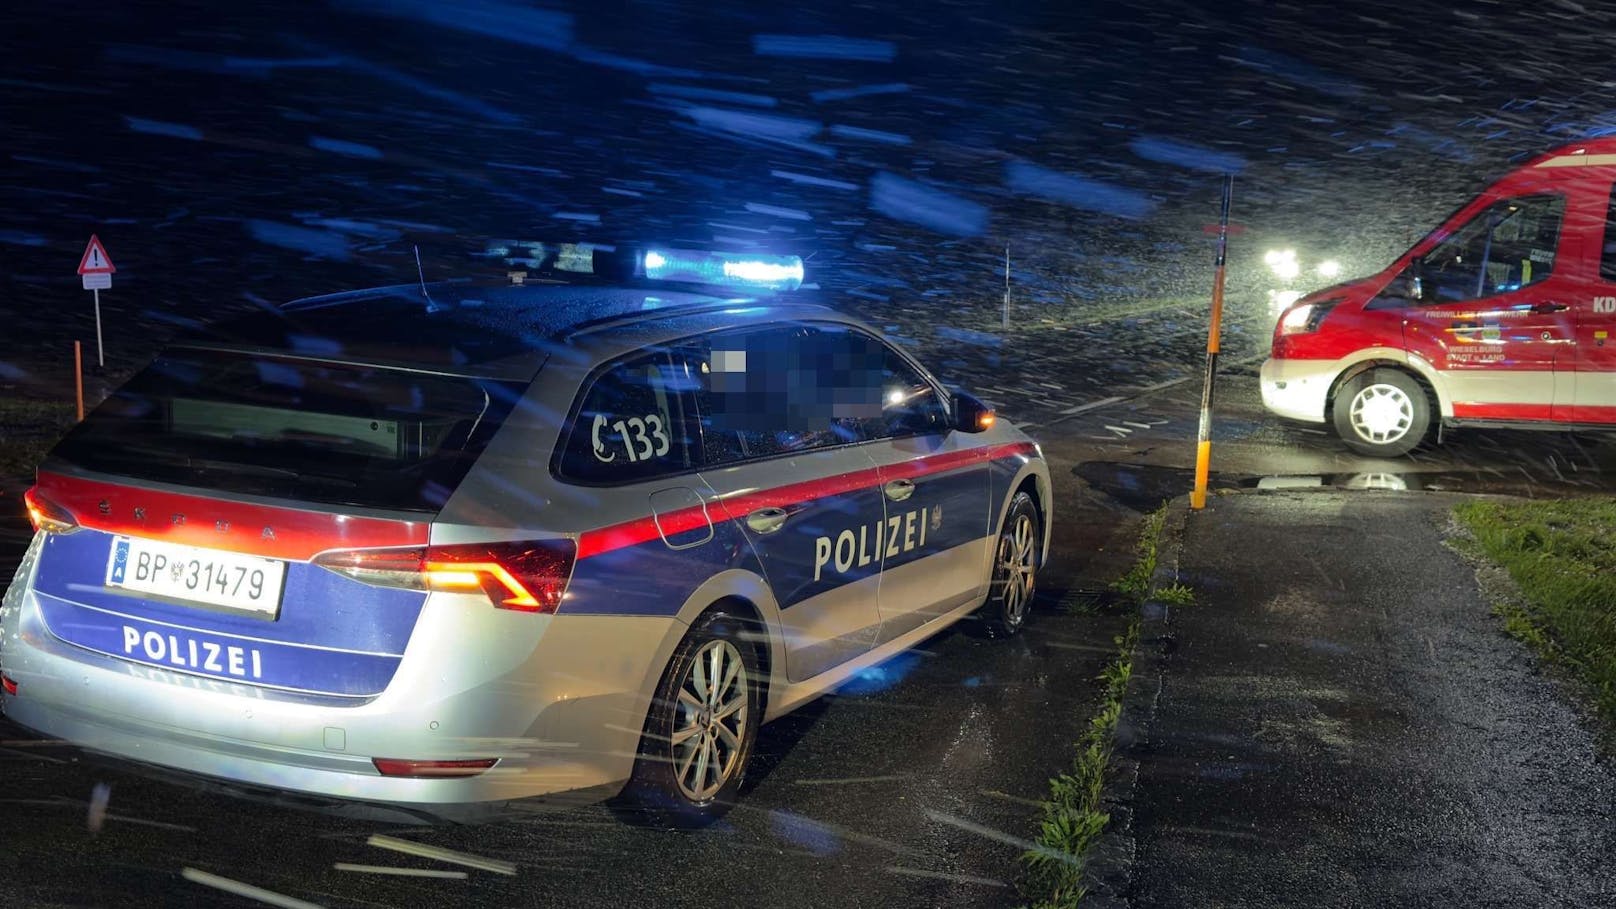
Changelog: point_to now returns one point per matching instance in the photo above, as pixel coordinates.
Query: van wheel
(1015, 569)
(699, 733)
(1382, 413)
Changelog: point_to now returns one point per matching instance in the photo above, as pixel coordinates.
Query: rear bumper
(1298, 389)
(559, 701)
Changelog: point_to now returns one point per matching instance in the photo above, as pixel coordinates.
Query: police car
(1503, 316)
(441, 547)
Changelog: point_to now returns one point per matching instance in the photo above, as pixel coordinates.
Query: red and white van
(1503, 316)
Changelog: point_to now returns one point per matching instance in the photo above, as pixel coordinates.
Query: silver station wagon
(437, 548)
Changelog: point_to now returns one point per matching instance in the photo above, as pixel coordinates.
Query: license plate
(197, 575)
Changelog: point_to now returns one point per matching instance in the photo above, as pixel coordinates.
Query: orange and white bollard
(78, 377)
(1203, 441)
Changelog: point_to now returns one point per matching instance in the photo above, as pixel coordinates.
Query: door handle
(767, 520)
(898, 490)
(1546, 308)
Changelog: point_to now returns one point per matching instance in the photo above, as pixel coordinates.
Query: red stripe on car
(644, 530)
(261, 530)
(1501, 411)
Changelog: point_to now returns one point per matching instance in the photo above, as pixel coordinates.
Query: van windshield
(310, 431)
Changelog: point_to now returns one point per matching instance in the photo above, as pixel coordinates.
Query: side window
(910, 405)
(1607, 259)
(632, 423)
(1509, 245)
(786, 389)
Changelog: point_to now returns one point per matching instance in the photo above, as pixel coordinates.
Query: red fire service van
(1503, 316)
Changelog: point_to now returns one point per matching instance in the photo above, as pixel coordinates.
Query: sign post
(1006, 323)
(1203, 442)
(96, 270)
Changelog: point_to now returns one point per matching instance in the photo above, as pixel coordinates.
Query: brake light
(9, 684)
(434, 769)
(527, 576)
(47, 515)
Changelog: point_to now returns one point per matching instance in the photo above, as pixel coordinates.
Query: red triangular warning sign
(96, 261)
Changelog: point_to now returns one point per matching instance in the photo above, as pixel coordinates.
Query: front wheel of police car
(1382, 413)
(1015, 569)
(699, 732)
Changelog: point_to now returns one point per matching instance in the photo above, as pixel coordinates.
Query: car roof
(500, 331)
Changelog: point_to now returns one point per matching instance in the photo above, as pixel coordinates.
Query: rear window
(308, 431)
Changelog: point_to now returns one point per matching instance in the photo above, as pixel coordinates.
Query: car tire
(698, 736)
(1383, 413)
(1015, 569)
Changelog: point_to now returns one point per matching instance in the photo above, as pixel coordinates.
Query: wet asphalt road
(1343, 723)
(871, 797)
(907, 788)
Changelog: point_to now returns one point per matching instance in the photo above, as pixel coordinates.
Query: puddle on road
(1143, 487)
(1436, 481)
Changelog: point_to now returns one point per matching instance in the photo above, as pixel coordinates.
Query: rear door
(1495, 315)
(783, 455)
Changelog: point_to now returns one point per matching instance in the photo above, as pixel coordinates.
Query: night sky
(226, 152)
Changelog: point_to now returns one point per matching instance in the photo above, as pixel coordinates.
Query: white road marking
(443, 855)
(246, 890)
(940, 875)
(997, 836)
(1073, 411)
(402, 872)
(996, 794)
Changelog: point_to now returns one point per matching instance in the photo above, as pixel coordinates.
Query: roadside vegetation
(1135, 585)
(28, 429)
(1071, 818)
(1562, 556)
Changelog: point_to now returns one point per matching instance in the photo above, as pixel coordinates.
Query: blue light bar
(726, 269)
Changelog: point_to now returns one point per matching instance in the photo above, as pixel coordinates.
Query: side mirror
(971, 415)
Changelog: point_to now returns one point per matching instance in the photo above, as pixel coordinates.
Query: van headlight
(1305, 318)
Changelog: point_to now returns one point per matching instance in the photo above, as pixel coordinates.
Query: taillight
(527, 576)
(437, 769)
(47, 515)
(9, 684)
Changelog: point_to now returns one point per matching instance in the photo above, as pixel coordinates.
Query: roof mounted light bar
(661, 264)
(725, 269)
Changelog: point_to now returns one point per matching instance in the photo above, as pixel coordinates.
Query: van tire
(1382, 413)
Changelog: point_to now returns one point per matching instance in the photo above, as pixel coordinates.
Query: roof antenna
(421, 274)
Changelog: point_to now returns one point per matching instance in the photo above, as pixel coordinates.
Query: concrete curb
(1109, 873)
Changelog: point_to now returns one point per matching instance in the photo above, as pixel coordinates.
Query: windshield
(303, 430)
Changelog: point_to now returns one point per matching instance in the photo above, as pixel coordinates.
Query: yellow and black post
(1203, 441)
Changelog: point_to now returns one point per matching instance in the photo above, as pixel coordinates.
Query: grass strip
(1135, 585)
(1562, 556)
(1070, 817)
